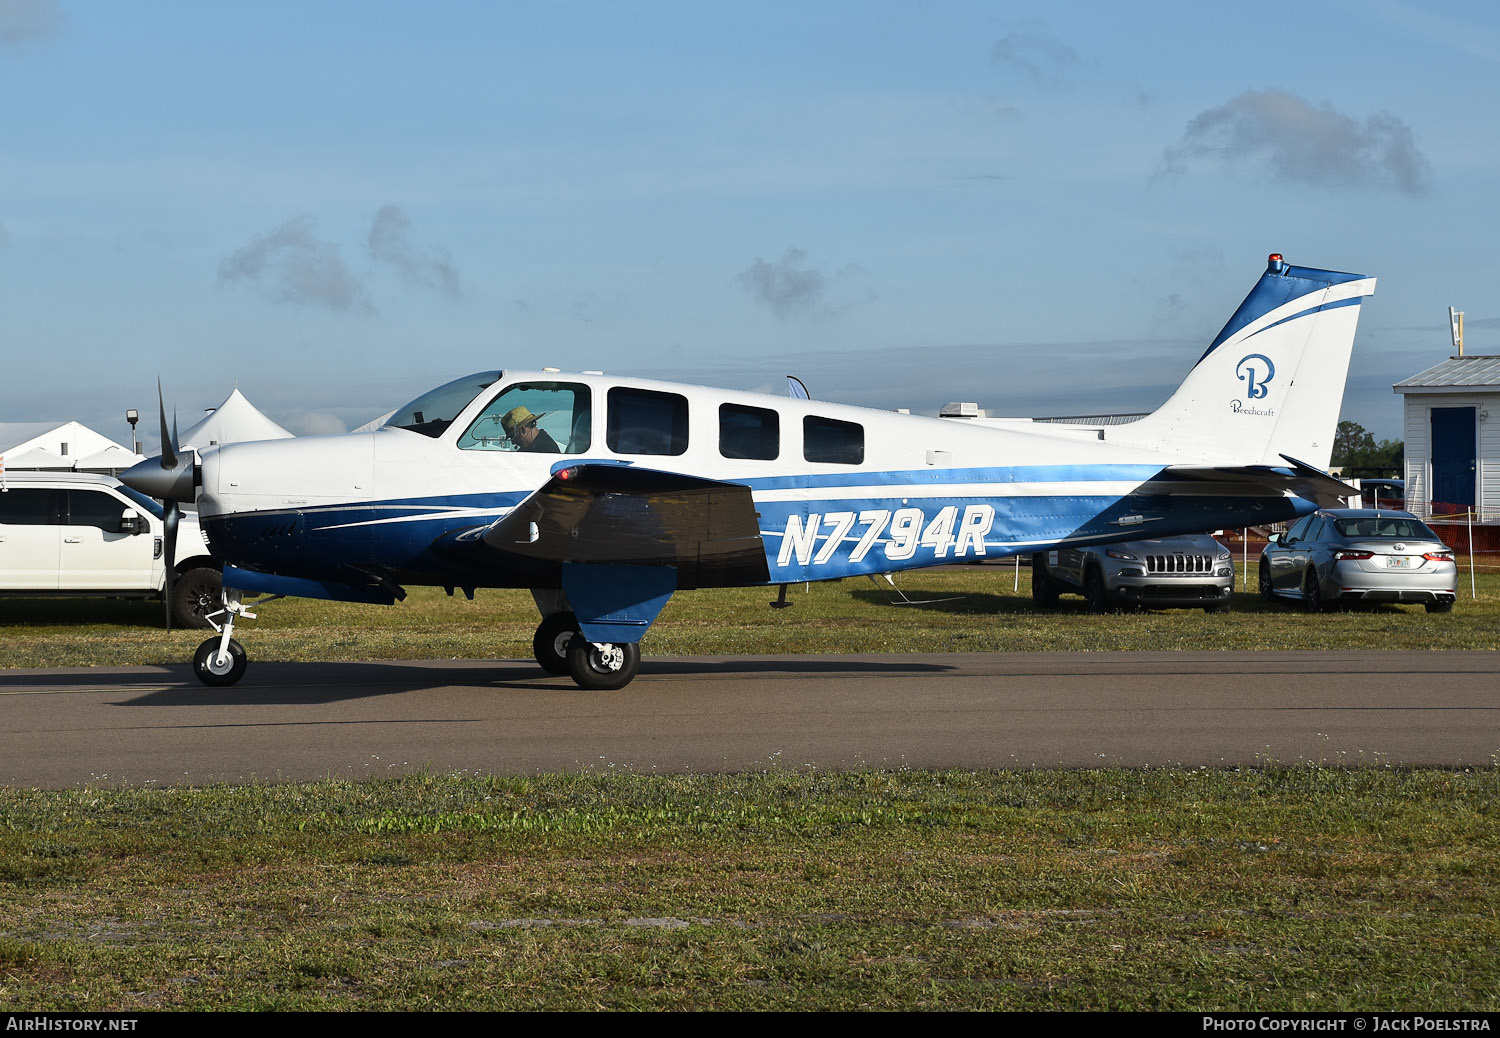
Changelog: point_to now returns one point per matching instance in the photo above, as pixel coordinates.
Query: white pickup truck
(72, 533)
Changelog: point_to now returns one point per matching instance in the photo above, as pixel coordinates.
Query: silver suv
(72, 533)
(1188, 571)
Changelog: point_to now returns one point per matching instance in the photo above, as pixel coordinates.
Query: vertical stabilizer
(1272, 382)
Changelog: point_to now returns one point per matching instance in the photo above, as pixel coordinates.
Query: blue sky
(1046, 208)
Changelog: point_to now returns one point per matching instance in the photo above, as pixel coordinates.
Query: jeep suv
(1169, 572)
(72, 533)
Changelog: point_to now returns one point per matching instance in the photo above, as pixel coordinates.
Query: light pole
(132, 416)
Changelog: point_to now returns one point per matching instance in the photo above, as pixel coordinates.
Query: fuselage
(838, 490)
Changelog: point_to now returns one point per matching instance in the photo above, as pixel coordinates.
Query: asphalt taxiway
(140, 725)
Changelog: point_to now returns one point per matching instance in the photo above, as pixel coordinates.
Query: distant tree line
(1357, 454)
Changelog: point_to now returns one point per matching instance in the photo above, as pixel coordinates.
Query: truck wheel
(195, 594)
(1094, 590)
(1043, 592)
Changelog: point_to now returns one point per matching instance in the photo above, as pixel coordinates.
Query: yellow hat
(517, 417)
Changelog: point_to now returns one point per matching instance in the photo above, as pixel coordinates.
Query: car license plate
(1397, 562)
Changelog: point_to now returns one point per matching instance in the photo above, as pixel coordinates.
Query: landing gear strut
(221, 660)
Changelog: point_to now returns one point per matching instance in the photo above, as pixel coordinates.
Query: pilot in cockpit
(520, 425)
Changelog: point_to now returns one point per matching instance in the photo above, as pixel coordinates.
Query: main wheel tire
(550, 643)
(211, 671)
(1444, 605)
(195, 594)
(1312, 594)
(602, 670)
(1265, 581)
(1043, 591)
(1094, 590)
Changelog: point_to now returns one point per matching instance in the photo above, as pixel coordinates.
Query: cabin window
(534, 418)
(642, 421)
(749, 432)
(831, 441)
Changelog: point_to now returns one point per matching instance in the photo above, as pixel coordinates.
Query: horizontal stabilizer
(601, 513)
(1298, 478)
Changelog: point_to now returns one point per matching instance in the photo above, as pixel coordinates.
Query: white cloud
(390, 242)
(1298, 141)
(290, 265)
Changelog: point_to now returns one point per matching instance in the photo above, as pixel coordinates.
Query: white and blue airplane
(606, 495)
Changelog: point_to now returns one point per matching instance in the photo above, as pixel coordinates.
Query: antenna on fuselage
(796, 389)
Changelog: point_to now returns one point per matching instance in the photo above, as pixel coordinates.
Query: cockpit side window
(535, 418)
(431, 413)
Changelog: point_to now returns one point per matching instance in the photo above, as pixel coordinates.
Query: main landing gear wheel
(603, 667)
(212, 670)
(550, 643)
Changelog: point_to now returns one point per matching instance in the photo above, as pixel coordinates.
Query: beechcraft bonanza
(604, 496)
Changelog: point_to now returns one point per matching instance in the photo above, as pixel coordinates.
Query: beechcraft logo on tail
(1256, 370)
(1250, 369)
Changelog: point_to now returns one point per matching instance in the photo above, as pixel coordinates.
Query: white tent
(66, 441)
(234, 421)
(112, 459)
(36, 458)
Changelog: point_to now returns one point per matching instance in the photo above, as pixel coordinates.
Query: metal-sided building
(1452, 436)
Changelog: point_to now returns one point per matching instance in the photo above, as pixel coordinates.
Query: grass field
(1292, 889)
(983, 611)
(1315, 889)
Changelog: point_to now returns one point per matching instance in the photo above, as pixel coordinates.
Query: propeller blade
(172, 514)
(168, 445)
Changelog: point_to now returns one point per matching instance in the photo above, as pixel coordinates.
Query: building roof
(1455, 375)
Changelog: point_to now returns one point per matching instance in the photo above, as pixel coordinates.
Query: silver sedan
(1350, 555)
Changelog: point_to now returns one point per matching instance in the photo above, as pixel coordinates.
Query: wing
(611, 514)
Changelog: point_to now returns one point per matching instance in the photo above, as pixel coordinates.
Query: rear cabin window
(749, 432)
(534, 418)
(643, 421)
(831, 441)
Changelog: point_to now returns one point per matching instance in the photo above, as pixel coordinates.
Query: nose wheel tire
(603, 667)
(550, 643)
(211, 670)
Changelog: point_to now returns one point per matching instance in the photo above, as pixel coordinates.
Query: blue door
(1453, 455)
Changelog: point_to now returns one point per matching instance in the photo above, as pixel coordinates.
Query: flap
(602, 513)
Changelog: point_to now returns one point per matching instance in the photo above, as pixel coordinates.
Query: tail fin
(1272, 382)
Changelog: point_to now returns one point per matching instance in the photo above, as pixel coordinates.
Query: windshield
(432, 412)
(1393, 526)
